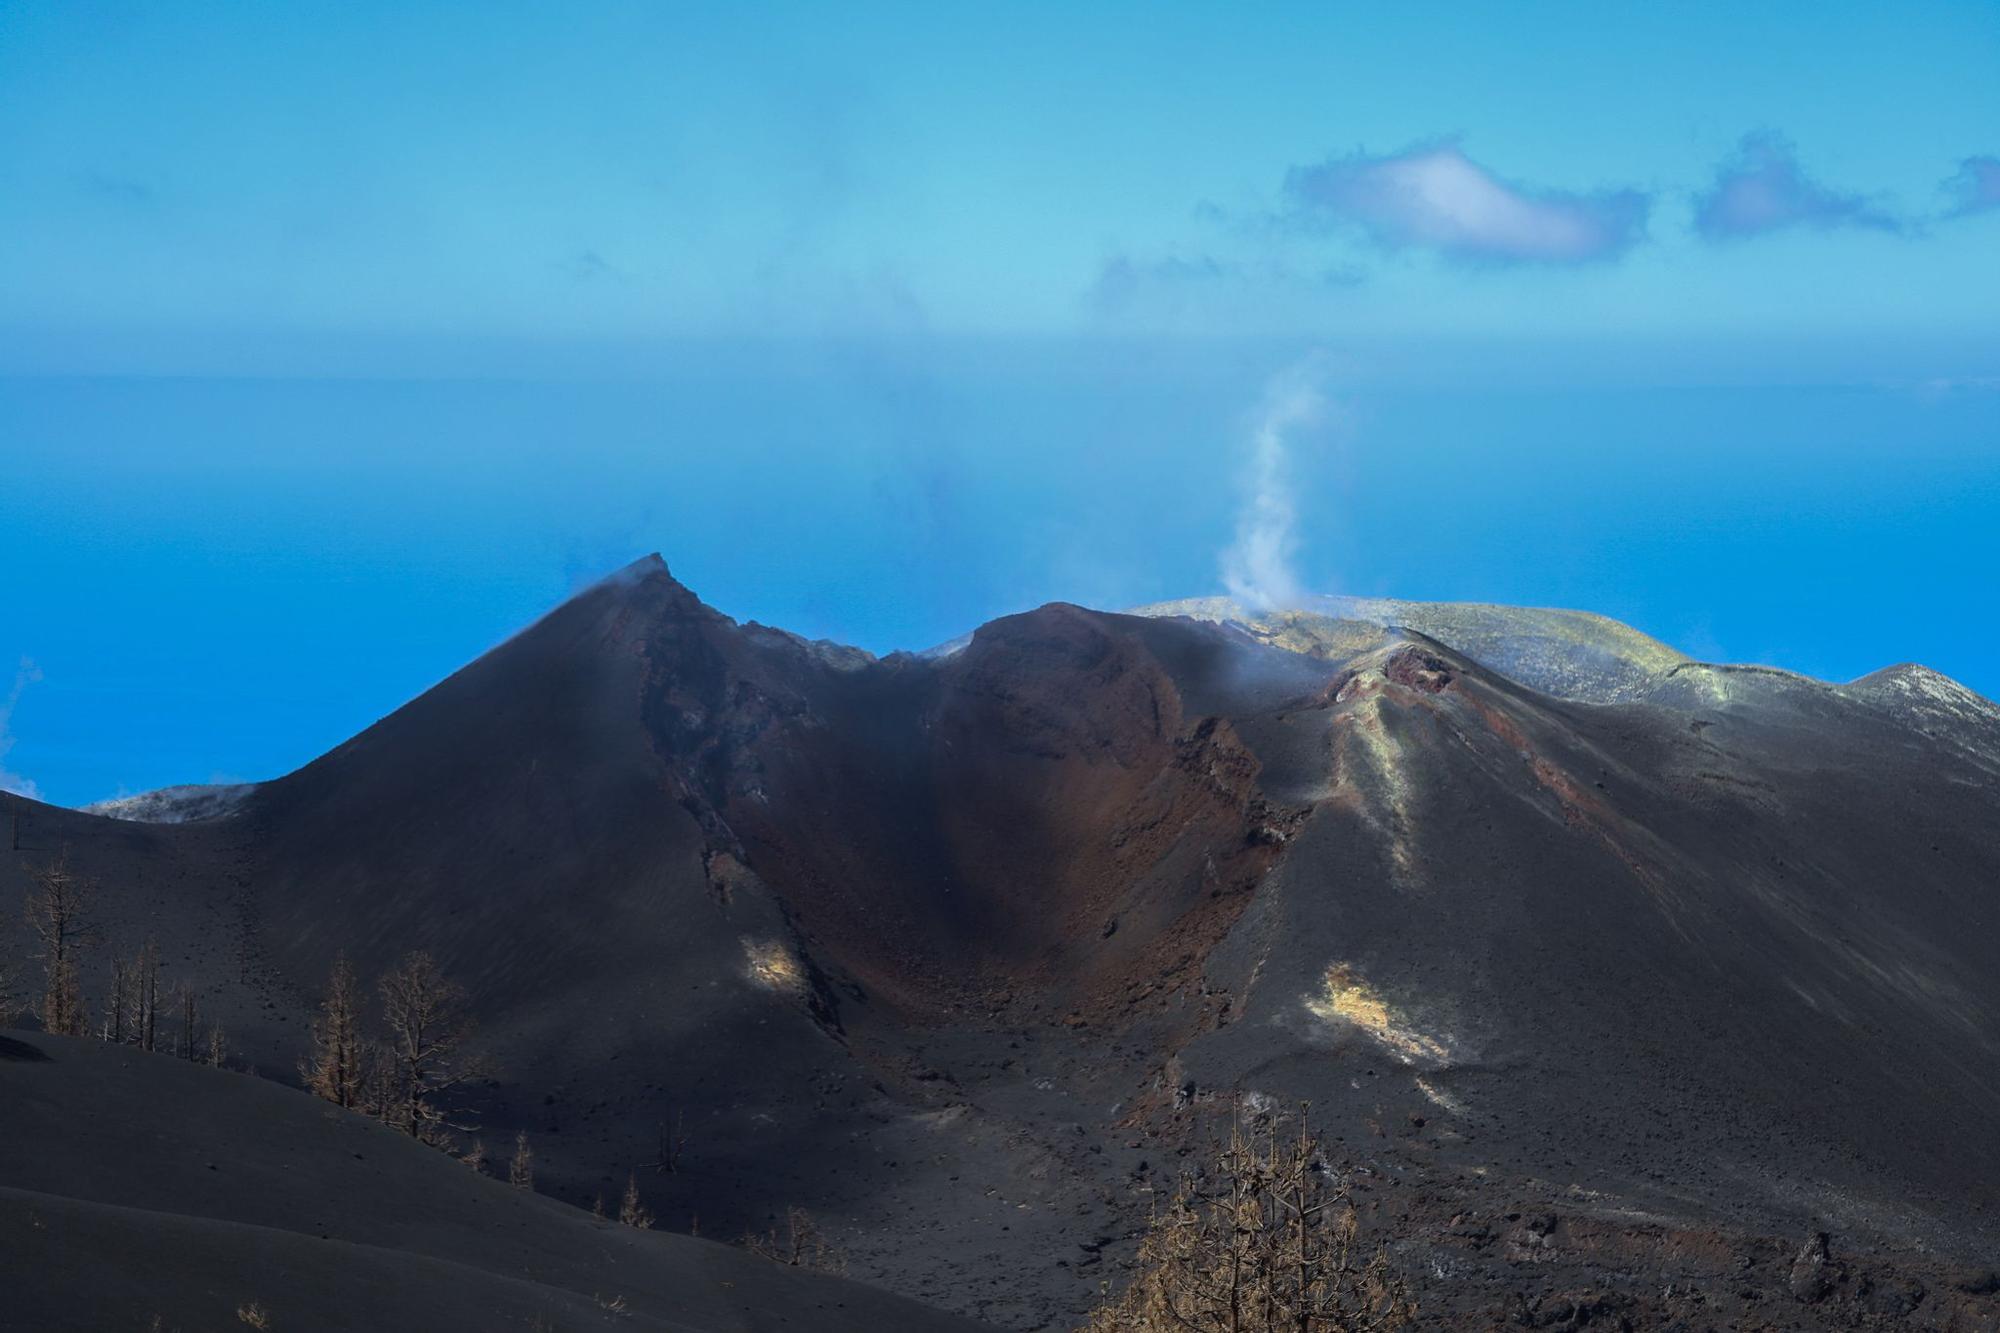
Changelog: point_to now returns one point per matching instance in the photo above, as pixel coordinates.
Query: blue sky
(337, 340)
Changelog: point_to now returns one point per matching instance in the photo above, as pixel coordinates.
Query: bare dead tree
(521, 1168)
(798, 1242)
(631, 1212)
(334, 1070)
(378, 1082)
(673, 1142)
(145, 971)
(185, 1045)
(428, 1025)
(132, 1010)
(58, 915)
(377, 1094)
(1266, 1240)
(118, 1003)
(218, 1046)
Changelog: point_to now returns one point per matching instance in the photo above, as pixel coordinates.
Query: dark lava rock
(1813, 1271)
(1418, 670)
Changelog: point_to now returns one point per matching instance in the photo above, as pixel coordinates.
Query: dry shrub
(521, 1166)
(798, 1242)
(1265, 1239)
(631, 1212)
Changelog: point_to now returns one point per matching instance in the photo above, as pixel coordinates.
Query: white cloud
(1435, 197)
(1763, 189)
(1976, 187)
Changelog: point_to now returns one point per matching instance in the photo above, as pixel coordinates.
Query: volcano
(1625, 984)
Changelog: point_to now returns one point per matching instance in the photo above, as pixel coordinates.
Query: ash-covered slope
(137, 1187)
(705, 880)
(176, 805)
(961, 952)
(1728, 958)
(1570, 654)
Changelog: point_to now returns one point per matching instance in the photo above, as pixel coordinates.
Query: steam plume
(1257, 567)
(27, 675)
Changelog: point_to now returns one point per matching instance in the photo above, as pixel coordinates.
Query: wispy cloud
(590, 266)
(1945, 387)
(1976, 187)
(27, 674)
(1211, 289)
(1434, 197)
(117, 191)
(1762, 188)
(1125, 276)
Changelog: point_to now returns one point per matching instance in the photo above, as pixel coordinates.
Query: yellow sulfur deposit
(770, 964)
(1350, 999)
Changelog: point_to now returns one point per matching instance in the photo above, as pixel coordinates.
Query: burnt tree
(1265, 1240)
(58, 916)
(335, 1069)
(428, 1027)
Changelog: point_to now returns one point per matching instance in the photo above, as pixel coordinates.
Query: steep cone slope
(962, 952)
(136, 1186)
(1719, 959)
(541, 822)
(702, 880)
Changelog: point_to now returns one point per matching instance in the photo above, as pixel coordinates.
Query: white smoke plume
(27, 675)
(1257, 567)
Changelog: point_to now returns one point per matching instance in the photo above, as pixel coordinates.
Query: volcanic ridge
(1625, 990)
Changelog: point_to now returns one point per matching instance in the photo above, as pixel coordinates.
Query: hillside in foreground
(134, 1186)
